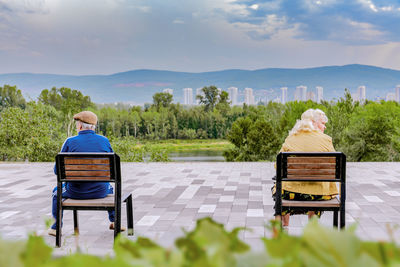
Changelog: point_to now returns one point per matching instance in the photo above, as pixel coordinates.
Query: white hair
(316, 115)
(308, 118)
(86, 126)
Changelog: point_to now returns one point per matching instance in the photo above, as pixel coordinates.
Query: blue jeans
(67, 194)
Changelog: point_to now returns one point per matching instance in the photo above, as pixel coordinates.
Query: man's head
(85, 120)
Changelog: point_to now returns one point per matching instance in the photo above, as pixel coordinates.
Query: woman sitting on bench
(307, 135)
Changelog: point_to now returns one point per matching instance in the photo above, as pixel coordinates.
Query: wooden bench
(312, 167)
(91, 167)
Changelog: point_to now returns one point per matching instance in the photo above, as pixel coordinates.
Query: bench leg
(117, 223)
(335, 218)
(58, 228)
(129, 214)
(76, 222)
(342, 218)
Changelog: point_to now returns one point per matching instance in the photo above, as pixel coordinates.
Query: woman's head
(311, 120)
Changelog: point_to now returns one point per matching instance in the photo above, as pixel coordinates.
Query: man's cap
(86, 117)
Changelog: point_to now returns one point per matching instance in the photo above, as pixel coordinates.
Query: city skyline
(301, 93)
(360, 94)
(103, 37)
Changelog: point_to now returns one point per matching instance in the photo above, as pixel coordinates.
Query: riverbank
(193, 145)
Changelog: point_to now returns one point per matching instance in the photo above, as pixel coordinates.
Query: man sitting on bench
(86, 141)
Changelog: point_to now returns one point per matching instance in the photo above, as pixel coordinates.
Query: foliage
(32, 134)
(65, 100)
(159, 155)
(68, 101)
(212, 97)
(129, 151)
(35, 131)
(253, 140)
(162, 100)
(209, 244)
(372, 134)
(319, 246)
(10, 96)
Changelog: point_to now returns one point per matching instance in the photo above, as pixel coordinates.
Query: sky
(83, 37)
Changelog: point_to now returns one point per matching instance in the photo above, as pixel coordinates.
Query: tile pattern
(170, 197)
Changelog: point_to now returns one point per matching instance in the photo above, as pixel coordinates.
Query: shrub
(209, 244)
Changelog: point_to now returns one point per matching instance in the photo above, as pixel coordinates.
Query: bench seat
(335, 202)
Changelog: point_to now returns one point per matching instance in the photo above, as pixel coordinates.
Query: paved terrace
(169, 197)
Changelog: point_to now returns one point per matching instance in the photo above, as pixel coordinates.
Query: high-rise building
(301, 93)
(168, 91)
(199, 91)
(397, 93)
(310, 96)
(320, 94)
(248, 96)
(284, 95)
(391, 97)
(361, 93)
(187, 96)
(233, 95)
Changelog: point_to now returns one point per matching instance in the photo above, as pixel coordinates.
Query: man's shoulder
(101, 137)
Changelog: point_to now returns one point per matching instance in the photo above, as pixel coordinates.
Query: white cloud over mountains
(91, 36)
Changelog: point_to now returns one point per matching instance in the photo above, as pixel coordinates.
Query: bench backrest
(88, 167)
(303, 166)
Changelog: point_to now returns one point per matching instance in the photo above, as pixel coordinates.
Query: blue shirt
(87, 141)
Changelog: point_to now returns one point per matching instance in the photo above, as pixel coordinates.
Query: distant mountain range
(138, 86)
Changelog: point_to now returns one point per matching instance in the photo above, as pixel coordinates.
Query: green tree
(223, 104)
(32, 134)
(162, 100)
(67, 101)
(253, 140)
(14, 134)
(46, 137)
(10, 96)
(210, 98)
(373, 133)
(136, 120)
(339, 115)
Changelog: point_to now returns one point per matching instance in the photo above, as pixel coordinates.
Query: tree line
(35, 130)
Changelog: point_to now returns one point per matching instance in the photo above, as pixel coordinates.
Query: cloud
(91, 36)
(178, 21)
(21, 6)
(357, 22)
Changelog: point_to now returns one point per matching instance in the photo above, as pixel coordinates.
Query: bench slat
(312, 177)
(107, 201)
(80, 161)
(88, 173)
(91, 178)
(323, 203)
(307, 160)
(99, 167)
(311, 165)
(311, 172)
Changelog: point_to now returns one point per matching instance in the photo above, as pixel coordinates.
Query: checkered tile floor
(170, 197)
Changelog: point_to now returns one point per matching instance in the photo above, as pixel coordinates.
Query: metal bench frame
(83, 204)
(339, 176)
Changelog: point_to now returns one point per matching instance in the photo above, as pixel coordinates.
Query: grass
(178, 145)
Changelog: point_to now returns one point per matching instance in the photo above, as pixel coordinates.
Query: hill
(138, 86)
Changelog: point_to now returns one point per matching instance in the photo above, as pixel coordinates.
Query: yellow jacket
(314, 141)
